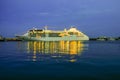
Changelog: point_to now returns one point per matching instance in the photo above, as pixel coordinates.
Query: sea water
(61, 60)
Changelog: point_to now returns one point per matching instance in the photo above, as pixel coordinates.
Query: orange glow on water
(63, 47)
(71, 48)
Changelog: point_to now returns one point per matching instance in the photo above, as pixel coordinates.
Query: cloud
(42, 13)
(55, 14)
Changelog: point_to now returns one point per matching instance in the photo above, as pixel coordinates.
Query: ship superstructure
(53, 35)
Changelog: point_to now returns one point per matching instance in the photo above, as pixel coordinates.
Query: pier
(10, 39)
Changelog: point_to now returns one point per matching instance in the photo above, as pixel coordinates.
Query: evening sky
(93, 17)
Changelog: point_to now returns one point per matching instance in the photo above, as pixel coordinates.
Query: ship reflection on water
(53, 50)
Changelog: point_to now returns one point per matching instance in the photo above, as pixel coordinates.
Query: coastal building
(1, 37)
(102, 38)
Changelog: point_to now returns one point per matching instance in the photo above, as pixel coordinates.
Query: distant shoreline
(91, 39)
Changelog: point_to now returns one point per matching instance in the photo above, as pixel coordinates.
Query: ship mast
(46, 27)
(46, 32)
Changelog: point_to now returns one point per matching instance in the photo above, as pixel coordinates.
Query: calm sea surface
(63, 60)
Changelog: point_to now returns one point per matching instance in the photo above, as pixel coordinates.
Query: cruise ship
(53, 35)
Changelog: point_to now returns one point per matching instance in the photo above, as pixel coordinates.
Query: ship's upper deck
(35, 30)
